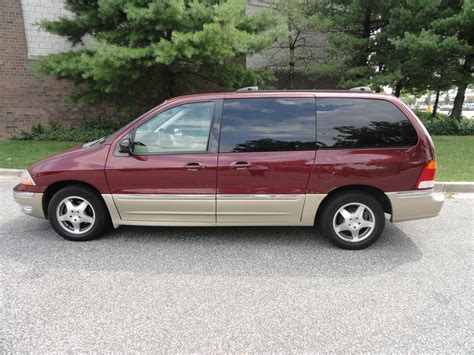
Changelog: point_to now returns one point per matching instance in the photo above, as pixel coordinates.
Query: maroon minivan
(338, 159)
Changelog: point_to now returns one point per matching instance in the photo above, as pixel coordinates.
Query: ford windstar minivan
(342, 160)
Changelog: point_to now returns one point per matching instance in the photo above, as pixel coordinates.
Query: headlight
(26, 179)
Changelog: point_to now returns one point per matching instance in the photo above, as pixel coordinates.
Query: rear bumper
(31, 203)
(410, 205)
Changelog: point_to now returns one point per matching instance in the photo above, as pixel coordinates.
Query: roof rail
(361, 88)
(248, 88)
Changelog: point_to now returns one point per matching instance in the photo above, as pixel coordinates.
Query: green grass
(455, 155)
(21, 154)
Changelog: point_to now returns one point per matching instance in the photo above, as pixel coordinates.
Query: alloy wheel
(75, 215)
(354, 222)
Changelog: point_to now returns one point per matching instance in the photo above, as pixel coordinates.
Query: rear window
(362, 123)
(265, 125)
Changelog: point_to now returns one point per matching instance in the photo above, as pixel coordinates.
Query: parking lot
(237, 289)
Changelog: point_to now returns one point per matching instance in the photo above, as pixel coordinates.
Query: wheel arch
(378, 194)
(55, 187)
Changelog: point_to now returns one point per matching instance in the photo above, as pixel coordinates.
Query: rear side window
(265, 125)
(362, 123)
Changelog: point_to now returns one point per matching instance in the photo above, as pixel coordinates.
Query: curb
(461, 186)
(10, 172)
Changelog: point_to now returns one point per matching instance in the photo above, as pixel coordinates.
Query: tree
(434, 42)
(414, 45)
(461, 25)
(297, 44)
(352, 28)
(429, 64)
(146, 50)
(394, 65)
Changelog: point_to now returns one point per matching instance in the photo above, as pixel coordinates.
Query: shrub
(87, 132)
(444, 125)
(423, 115)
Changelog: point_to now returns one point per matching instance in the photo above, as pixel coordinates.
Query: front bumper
(417, 204)
(31, 203)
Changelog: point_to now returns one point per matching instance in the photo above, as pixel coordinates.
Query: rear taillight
(427, 177)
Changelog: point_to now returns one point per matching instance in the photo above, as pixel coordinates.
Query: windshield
(110, 137)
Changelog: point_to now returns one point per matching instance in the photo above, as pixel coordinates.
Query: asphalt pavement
(237, 289)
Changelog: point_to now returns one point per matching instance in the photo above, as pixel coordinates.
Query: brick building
(26, 98)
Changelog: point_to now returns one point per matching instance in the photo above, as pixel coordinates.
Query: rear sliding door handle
(240, 165)
(195, 166)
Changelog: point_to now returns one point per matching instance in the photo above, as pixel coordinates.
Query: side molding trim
(259, 197)
(163, 197)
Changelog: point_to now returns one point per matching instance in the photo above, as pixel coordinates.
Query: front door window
(183, 128)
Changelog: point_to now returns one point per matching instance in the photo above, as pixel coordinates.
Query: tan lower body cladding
(200, 210)
(235, 210)
(250, 210)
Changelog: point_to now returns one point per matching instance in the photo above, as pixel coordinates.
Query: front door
(266, 153)
(171, 176)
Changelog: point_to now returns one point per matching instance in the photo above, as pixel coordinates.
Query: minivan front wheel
(353, 220)
(78, 213)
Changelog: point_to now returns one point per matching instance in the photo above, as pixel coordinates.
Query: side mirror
(125, 146)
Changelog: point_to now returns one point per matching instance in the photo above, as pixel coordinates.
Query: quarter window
(265, 125)
(362, 123)
(183, 128)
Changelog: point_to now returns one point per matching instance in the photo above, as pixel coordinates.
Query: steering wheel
(165, 139)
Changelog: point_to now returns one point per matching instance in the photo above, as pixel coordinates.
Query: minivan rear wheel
(77, 213)
(353, 220)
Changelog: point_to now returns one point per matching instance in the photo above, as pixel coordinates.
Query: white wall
(40, 42)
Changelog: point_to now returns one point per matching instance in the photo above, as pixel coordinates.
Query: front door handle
(194, 166)
(240, 165)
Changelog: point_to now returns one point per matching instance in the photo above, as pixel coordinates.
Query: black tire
(373, 214)
(97, 209)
